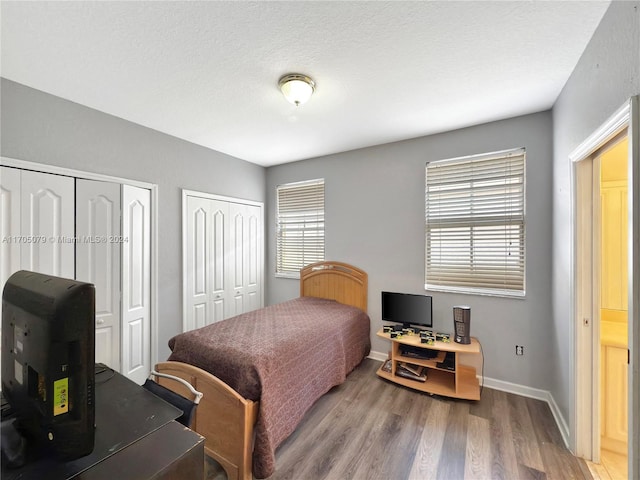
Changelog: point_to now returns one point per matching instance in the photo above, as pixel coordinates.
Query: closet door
(236, 271)
(218, 260)
(206, 250)
(47, 204)
(253, 259)
(98, 259)
(198, 309)
(245, 241)
(136, 282)
(9, 223)
(223, 259)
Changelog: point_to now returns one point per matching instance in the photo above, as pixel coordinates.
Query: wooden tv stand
(459, 383)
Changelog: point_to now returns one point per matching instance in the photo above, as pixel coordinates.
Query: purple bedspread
(286, 356)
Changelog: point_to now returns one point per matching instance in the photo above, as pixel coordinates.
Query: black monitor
(407, 309)
(48, 361)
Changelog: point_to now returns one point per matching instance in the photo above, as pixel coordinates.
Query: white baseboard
(379, 356)
(517, 389)
(536, 393)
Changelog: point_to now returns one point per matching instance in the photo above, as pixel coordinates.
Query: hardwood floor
(612, 466)
(371, 429)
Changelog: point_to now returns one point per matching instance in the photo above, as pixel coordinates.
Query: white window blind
(300, 226)
(475, 224)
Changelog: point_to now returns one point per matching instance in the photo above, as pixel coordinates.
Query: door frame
(153, 188)
(212, 196)
(585, 333)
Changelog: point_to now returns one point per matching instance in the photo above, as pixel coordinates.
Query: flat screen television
(48, 363)
(407, 309)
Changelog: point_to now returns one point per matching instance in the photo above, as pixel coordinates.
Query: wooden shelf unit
(461, 383)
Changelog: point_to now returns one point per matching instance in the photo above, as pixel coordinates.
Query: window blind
(300, 226)
(475, 224)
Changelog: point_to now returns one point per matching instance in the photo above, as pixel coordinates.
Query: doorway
(610, 279)
(599, 295)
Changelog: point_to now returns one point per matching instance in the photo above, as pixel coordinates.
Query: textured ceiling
(207, 72)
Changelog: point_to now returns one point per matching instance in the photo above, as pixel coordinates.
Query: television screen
(407, 308)
(48, 360)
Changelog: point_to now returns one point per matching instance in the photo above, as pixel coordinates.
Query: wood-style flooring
(371, 429)
(612, 466)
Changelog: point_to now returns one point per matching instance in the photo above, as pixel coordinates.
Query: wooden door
(136, 281)
(47, 221)
(9, 223)
(614, 395)
(98, 259)
(613, 247)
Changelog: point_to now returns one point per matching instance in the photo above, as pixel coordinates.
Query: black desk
(136, 437)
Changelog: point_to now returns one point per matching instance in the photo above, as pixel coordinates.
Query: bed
(261, 371)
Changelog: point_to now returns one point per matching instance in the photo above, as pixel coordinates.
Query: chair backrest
(187, 406)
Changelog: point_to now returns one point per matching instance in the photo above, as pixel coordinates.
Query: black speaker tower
(462, 324)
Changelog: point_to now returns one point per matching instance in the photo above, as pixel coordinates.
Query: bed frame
(229, 435)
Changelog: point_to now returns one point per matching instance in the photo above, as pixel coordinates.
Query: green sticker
(61, 396)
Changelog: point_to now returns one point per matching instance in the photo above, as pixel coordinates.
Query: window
(475, 228)
(300, 226)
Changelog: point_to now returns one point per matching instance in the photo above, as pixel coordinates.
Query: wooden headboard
(337, 281)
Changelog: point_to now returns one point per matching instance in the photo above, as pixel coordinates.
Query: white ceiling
(207, 72)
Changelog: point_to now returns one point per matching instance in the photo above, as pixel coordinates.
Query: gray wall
(375, 220)
(41, 128)
(606, 76)
(374, 200)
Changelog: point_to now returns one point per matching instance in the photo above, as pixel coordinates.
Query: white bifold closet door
(98, 260)
(204, 282)
(245, 240)
(37, 222)
(136, 283)
(223, 259)
(93, 231)
(113, 251)
(47, 224)
(10, 193)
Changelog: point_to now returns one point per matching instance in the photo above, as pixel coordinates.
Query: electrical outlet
(519, 350)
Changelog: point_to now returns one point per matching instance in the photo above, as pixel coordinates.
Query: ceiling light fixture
(296, 88)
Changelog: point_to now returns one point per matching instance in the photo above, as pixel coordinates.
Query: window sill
(477, 291)
(292, 276)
